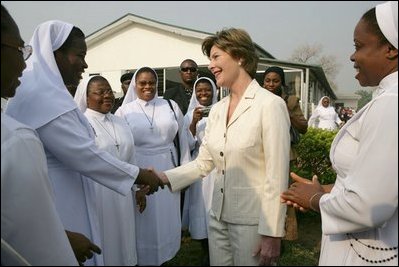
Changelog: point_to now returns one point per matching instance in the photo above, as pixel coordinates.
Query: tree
(365, 97)
(312, 54)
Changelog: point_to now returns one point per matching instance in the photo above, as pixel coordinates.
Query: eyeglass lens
(26, 51)
(103, 92)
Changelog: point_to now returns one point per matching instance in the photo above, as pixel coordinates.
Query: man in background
(125, 81)
(182, 93)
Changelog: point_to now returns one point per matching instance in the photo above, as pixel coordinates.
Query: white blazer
(251, 156)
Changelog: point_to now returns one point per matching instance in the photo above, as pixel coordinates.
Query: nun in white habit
(74, 162)
(95, 99)
(360, 213)
(198, 197)
(324, 116)
(154, 126)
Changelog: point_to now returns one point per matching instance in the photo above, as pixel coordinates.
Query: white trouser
(232, 244)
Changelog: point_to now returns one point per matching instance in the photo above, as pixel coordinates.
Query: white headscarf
(320, 104)
(42, 95)
(194, 102)
(387, 19)
(81, 93)
(131, 93)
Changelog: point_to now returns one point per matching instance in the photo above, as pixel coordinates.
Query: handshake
(152, 179)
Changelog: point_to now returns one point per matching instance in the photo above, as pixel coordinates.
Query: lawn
(302, 252)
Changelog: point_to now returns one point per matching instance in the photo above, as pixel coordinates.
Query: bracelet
(311, 199)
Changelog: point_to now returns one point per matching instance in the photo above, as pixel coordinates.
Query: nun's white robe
(43, 102)
(30, 223)
(116, 212)
(364, 199)
(158, 228)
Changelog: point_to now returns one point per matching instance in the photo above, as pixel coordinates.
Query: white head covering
(131, 93)
(194, 101)
(387, 19)
(81, 93)
(320, 104)
(42, 95)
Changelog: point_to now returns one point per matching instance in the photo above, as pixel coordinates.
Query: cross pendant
(117, 146)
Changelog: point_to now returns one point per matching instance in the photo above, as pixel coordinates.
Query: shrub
(314, 154)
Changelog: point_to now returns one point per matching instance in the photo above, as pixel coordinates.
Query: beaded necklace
(350, 237)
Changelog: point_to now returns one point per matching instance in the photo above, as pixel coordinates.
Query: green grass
(302, 252)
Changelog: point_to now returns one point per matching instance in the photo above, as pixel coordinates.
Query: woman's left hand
(268, 250)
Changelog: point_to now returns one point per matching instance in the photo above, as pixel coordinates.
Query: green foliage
(314, 155)
(365, 97)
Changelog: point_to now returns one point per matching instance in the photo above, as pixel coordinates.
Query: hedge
(314, 155)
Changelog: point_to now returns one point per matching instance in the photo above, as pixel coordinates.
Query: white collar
(98, 115)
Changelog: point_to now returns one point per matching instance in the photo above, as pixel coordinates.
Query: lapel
(244, 104)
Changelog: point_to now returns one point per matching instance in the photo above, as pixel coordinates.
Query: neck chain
(112, 137)
(148, 119)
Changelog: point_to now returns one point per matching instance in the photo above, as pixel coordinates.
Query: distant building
(133, 41)
(347, 100)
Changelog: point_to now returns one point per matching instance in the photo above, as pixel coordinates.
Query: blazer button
(223, 172)
(221, 190)
(221, 154)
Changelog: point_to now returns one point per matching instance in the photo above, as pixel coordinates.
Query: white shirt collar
(98, 115)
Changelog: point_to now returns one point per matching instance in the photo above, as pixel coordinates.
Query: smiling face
(369, 57)
(204, 92)
(71, 61)
(146, 85)
(225, 68)
(100, 96)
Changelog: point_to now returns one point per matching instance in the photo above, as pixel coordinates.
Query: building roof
(130, 19)
(317, 71)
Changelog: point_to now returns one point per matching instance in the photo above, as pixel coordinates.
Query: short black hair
(126, 76)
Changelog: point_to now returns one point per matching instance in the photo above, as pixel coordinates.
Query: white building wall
(140, 45)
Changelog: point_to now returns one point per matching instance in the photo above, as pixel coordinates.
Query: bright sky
(278, 27)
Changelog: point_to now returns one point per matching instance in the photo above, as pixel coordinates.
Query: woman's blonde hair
(238, 44)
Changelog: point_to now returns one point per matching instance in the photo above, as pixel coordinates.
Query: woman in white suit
(247, 141)
(360, 211)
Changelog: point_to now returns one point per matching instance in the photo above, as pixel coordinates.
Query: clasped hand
(301, 191)
(150, 178)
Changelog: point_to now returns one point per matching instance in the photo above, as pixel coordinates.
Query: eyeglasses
(102, 92)
(25, 50)
(144, 83)
(192, 69)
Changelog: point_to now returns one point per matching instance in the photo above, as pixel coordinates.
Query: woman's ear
(392, 52)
